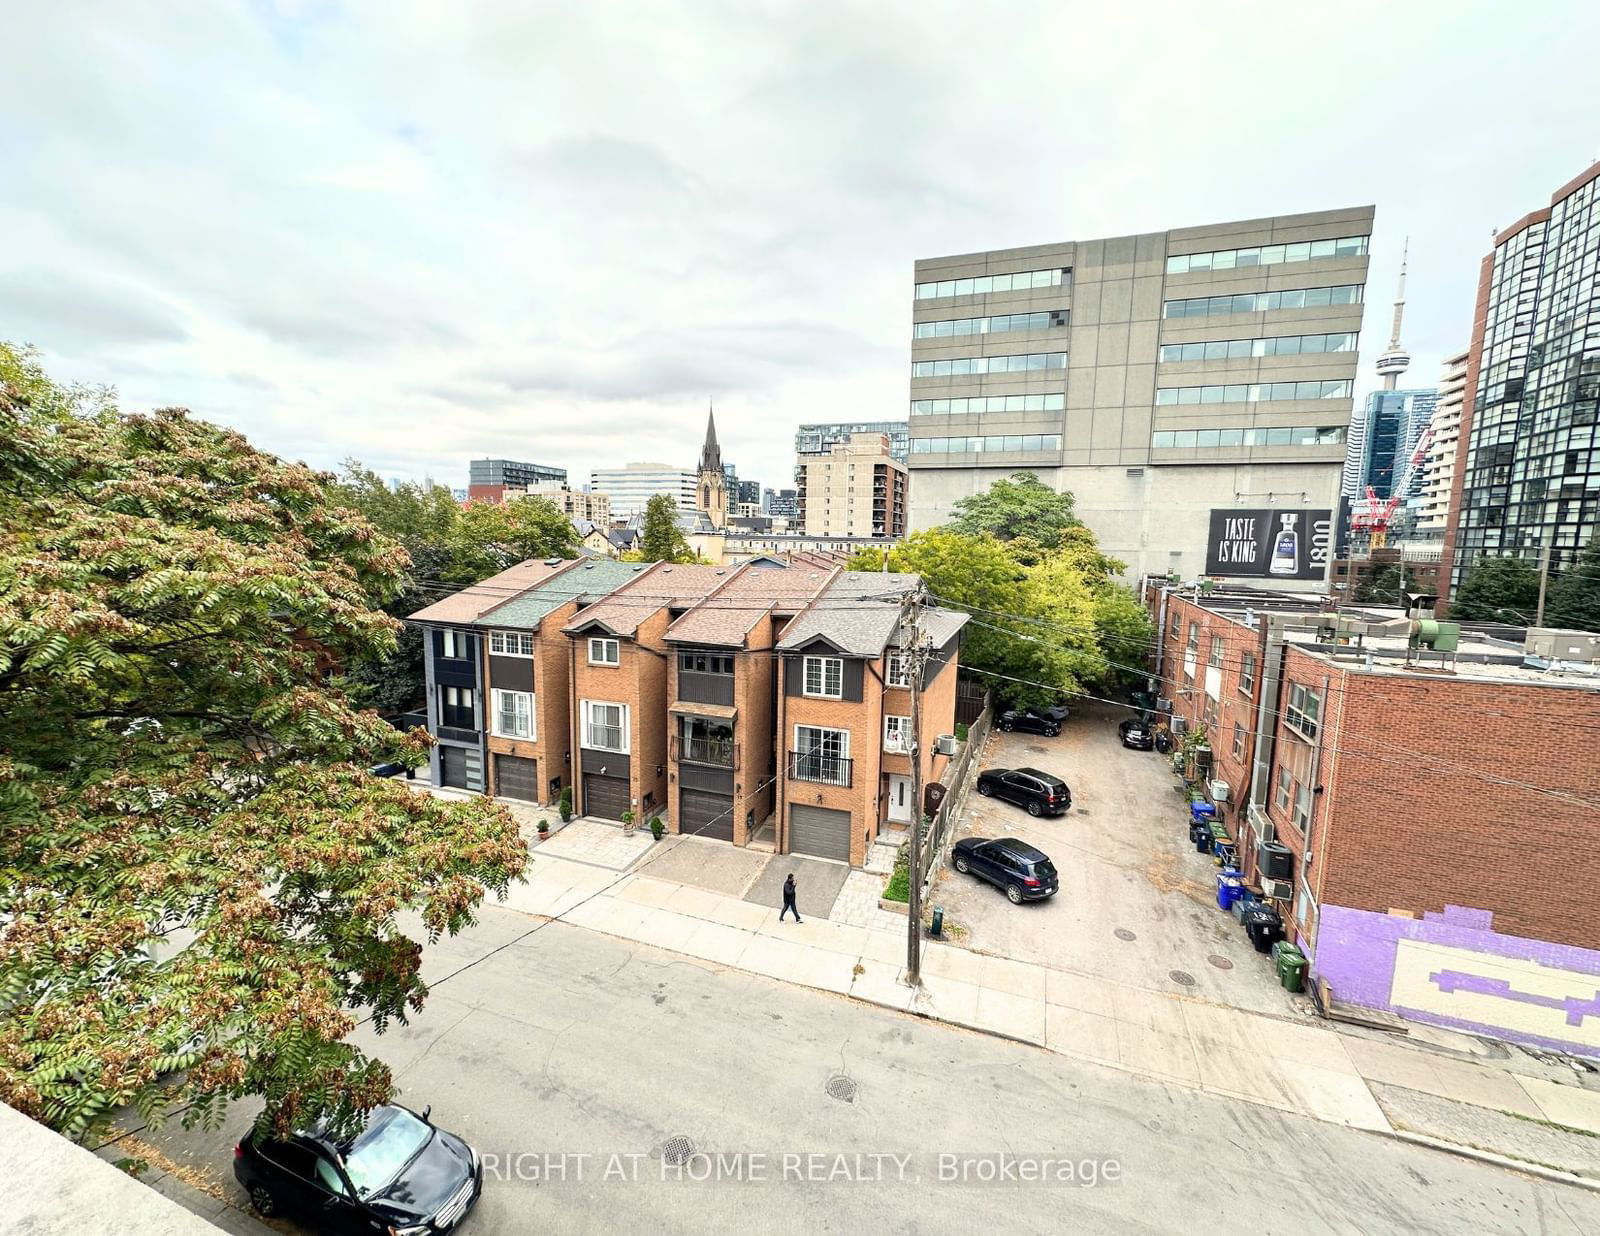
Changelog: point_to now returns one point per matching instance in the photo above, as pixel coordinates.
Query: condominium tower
(857, 489)
(1160, 378)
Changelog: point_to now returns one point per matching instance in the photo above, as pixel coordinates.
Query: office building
(1167, 380)
(1392, 425)
(858, 489)
(1528, 467)
(633, 485)
(820, 439)
(1439, 462)
(487, 479)
(748, 494)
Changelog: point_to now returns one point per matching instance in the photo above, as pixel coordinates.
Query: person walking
(788, 900)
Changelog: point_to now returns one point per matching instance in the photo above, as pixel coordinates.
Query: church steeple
(711, 453)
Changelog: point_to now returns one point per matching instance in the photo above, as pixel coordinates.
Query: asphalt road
(555, 1051)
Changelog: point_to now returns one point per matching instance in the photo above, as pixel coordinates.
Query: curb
(1496, 1160)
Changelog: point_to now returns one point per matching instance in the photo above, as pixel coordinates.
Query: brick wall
(864, 719)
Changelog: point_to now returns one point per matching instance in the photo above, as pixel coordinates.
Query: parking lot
(1137, 903)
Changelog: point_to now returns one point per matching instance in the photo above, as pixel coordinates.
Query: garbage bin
(1244, 902)
(1202, 838)
(1292, 968)
(1227, 887)
(1201, 810)
(1264, 926)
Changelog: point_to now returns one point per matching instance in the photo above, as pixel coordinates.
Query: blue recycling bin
(1201, 810)
(1229, 887)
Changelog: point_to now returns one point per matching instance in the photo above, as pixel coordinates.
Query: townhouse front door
(899, 799)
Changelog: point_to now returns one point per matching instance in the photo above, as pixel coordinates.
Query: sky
(413, 232)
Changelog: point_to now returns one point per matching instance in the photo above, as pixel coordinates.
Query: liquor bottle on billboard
(1285, 548)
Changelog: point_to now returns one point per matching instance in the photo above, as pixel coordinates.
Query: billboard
(1269, 544)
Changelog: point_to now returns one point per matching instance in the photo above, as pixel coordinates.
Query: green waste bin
(1292, 970)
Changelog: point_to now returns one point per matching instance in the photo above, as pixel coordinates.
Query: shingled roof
(856, 614)
(465, 607)
(664, 585)
(725, 618)
(588, 582)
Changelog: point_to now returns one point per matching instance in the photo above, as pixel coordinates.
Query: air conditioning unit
(1220, 791)
(945, 744)
(1179, 724)
(1202, 759)
(1275, 860)
(1277, 890)
(1163, 704)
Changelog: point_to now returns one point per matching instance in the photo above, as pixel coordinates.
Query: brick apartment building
(1440, 827)
(661, 689)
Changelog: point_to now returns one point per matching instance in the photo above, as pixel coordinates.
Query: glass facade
(1255, 392)
(1267, 255)
(989, 403)
(820, 439)
(1261, 302)
(997, 324)
(1236, 349)
(972, 366)
(991, 442)
(1185, 439)
(1021, 281)
(1531, 475)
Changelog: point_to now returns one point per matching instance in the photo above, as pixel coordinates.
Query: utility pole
(1544, 582)
(914, 656)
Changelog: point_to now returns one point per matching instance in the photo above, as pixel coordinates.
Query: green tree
(661, 540)
(1016, 507)
(200, 886)
(1574, 598)
(1498, 590)
(491, 536)
(1381, 586)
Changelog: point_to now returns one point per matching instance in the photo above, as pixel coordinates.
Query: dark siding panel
(711, 780)
(511, 673)
(614, 762)
(854, 673)
(793, 675)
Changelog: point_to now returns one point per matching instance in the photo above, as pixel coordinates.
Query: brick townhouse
(844, 706)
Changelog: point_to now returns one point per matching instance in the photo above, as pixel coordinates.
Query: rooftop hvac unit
(1439, 636)
(945, 744)
(1220, 791)
(1277, 890)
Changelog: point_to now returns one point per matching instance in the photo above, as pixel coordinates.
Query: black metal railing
(457, 733)
(819, 766)
(718, 751)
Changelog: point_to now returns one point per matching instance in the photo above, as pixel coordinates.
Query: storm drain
(1122, 933)
(677, 1150)
(1220, 962)
(841, 1088)
(1181, 977)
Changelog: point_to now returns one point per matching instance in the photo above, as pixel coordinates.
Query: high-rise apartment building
(857, 489)
(1528, 468)
(781, 503)
(1163, 379)
(588, 504)
(820, 439)
(487, 479)
(1392, 425)
(633, 485)
(1439, 460)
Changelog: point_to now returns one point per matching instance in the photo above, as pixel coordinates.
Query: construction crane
(1373, 515)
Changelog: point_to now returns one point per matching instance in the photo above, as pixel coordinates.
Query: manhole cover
(1221, 963)
(1040, 750)
(841, 1088)
(1181, 977)
(677, 1150)
(1122, 933)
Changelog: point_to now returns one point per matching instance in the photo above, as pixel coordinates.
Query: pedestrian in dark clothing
(788, 900)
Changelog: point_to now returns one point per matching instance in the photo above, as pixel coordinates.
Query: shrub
(566, 804)
(899, 886)
(657, 828)
(961, 731)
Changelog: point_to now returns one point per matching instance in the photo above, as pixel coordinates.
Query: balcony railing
(819, 766)
(456, 733)
(717, 751)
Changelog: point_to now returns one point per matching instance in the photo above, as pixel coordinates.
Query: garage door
(819, 832)
(516, 777)
(705, 815)
(604, 797)
(453, 766)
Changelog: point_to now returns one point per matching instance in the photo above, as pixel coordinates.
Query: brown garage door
(516, 777)
(705, 815)
(604, 797)
(820, 832)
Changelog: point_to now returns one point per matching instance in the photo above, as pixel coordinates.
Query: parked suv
(1026, 874)
(1039, 792)
(1138, 733)
(1046, 721)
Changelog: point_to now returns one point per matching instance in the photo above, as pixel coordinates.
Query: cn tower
(1395, 359)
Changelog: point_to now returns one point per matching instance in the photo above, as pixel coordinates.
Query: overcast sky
(418, 232)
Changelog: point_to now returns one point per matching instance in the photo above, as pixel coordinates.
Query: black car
(1138, 733)
(400, 1174)
(1046, 721)
(1040, 792)
(1026, 874)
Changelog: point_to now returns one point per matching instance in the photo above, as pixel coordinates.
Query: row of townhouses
(764, 705)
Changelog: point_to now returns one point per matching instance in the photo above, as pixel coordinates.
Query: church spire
(711, 453)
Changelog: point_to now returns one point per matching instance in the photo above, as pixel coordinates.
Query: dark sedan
(1138, 734)
(1044, 721)
(1024, 873)
(400, 1174)
(1039, 792)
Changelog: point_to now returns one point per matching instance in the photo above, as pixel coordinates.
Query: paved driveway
(1126, 868)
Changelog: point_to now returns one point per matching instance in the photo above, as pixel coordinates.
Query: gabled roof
(858, 615)
(464, 608)
(725, 618)
(588, 582)
(663, 585)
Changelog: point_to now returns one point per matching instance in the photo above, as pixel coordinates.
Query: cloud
(58, 307)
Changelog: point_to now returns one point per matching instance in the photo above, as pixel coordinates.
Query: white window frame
(511, 643)
(454, 644)
(897, 734)
(1304, 720)
(614, 646)
(842, 755)
(895, 675)
(521, 708)
(588, 707)
(823, 664)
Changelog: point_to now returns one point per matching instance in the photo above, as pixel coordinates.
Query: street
(561, 1053)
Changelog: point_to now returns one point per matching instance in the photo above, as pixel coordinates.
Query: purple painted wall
(1356, 955)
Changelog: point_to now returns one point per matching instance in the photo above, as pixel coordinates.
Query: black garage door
(820, 832)
(604, 797)
(705, 815)
(453, 766)
(516, 777)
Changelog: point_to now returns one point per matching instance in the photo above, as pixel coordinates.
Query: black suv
(400, 1174)
(1138, 733)
(1046, 721)
(1026, 874)
(1039, 792)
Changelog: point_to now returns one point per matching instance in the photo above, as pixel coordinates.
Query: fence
(959, 777)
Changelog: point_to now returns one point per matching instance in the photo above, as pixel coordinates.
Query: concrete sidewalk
(1310, 1068)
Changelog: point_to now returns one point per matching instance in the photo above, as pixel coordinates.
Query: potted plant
(565, 806)
(544, 829)
(657, 828)
(628, 826)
